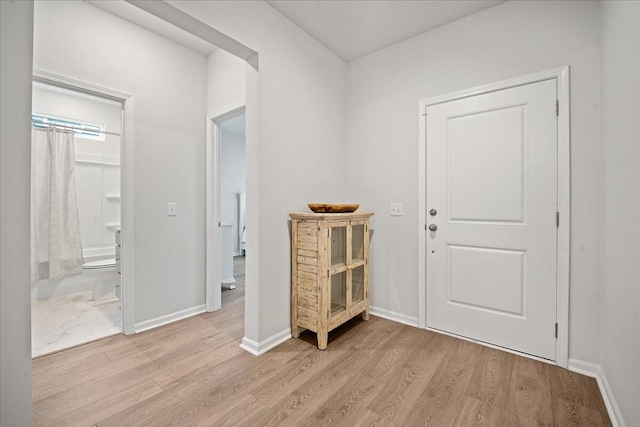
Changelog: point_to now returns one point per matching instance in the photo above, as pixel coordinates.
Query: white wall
(295, 143)
(509, 40)
(168, 82)
(16, 41)
(97, 164)
(232, 177)
(226, 80)
(620, 336)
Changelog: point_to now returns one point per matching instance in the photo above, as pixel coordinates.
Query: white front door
(492, 197)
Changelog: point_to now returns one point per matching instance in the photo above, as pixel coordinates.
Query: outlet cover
(396, 209)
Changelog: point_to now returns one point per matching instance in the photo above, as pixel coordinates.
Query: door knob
(433, 227)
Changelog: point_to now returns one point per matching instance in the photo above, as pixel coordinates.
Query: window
(80, 129)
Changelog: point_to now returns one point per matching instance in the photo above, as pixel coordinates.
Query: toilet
(107, 279)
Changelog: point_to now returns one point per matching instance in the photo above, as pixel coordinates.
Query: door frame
(126, 182)
(213, 275)
(561, 75)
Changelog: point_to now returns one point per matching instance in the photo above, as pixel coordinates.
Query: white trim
(127, 219)
(595, 371)
(259, 348)
(74, 84)
(393, 316)
(564, 207)
(561, 75)
(169, 318)
(126, 181)
(213, 278)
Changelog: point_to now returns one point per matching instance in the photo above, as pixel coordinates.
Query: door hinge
(328, 274)
(557, 219)
(328, 314)
(556, 330)
(557, 107)
(424, 112)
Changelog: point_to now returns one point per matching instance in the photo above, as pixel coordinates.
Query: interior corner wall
(619, 337)
(16, 48)
(168, 83)
(512, 39)
(295, 143)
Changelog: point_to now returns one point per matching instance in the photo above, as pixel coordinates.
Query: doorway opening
(72, 306)
(233, 193)
(226, 206)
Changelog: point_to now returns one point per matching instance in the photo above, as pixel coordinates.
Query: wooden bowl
(333, 208)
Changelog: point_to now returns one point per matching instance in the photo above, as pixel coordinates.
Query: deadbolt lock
(433, 212)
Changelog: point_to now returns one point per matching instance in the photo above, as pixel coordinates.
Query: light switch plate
(396, 209)
(171, 209)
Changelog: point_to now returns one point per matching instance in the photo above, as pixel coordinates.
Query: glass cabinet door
(347, 265)
(338, 247)
(357, 284)
(338, 292)
(357, 243)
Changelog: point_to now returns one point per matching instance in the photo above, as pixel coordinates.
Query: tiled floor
(70, 320)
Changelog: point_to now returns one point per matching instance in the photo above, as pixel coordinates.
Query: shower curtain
(56, 249)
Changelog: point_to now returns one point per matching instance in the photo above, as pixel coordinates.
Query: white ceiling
(354, 28)
(139, 17)
(349, 28)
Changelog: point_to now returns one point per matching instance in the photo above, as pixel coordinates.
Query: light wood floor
(378, 373)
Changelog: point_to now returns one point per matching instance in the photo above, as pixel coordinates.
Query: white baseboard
(592, 370)
(168, 318)
(396, 317)
(258, 348)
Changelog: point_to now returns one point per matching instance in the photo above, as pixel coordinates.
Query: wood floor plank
(440, 402)
(529, 401)
(488, 389)
(101, 409)
(77, 356)
(348, 405)
(301, 403)
(411, 377)
(195, 396)
(235, 413)
(573, 387)
(571, 414)
(309, 362)
(473, 412)
(371, 419)
(53, 381)
(405, 342)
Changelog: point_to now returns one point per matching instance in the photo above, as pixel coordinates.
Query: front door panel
(492, 178)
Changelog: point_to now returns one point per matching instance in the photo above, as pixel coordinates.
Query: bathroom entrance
(227, 234)
(233, 186)
(76, 218)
